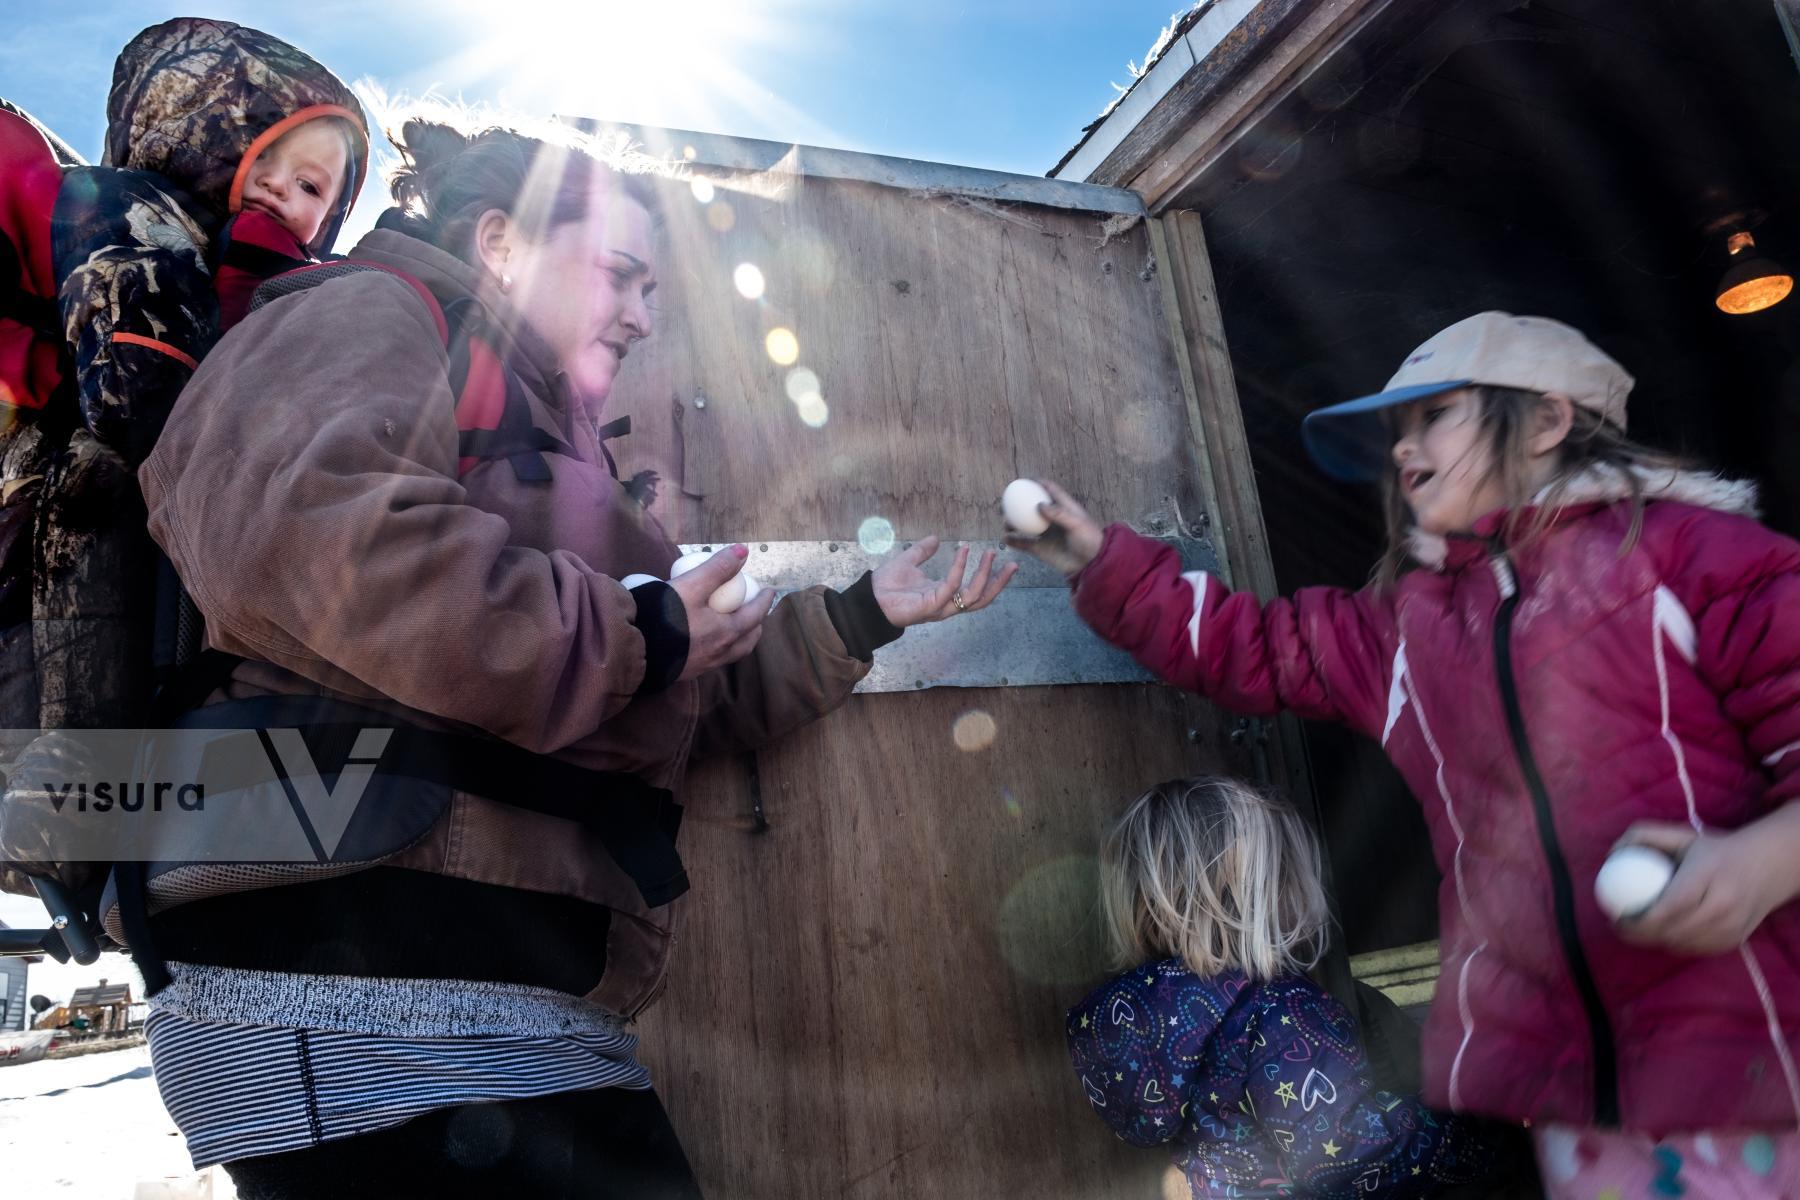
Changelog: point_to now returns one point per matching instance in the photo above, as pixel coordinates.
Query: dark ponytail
(447, 179)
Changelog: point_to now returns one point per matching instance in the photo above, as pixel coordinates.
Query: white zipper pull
(1503, 575)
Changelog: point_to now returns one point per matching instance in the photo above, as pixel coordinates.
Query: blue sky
(1004, 84)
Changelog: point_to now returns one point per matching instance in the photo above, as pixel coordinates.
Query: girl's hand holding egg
(1724, 882)
(1048, 524)
(1631, 880)
(1020, 503)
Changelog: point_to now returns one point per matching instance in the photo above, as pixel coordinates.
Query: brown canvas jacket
(306, 489)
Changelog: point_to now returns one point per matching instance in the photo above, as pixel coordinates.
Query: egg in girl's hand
(1019, 502)
(731, 595)
(1631, 879)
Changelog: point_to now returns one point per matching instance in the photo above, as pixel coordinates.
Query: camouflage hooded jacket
(137, 240)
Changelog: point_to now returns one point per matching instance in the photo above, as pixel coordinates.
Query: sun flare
(694, 64)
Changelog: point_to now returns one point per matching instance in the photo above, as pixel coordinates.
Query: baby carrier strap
(636, 822)
(493, 414)
(260, 260)
(493, 417)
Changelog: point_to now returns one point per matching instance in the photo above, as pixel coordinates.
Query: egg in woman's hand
(686, 563)
(729, 596)
(1631, 879)
(734, 593)
(1019, 502)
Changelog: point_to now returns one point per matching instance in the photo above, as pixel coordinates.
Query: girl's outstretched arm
(1326, 653)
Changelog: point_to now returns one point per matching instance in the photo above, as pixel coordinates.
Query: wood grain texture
(958, 346)
(868, 997)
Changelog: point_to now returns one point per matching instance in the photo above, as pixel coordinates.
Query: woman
(449, 1020)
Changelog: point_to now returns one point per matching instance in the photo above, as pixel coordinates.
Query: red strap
(138, 339)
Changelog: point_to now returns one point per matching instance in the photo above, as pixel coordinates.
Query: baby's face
(299, 178)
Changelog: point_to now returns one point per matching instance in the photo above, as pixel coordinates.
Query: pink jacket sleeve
(1739, 581)
(1325, 653)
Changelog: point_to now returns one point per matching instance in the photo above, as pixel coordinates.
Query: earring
(505, 282)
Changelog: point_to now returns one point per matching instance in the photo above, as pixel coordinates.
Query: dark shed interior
(1579, 159)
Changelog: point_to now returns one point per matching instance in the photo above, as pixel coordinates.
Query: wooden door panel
(956, 348)
(868, 998)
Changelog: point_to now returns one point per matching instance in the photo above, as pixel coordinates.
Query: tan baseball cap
(1351, 441)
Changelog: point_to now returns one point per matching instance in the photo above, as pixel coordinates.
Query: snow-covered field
(92, 1128)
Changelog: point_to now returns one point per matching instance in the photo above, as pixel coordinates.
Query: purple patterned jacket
(1261, 1088)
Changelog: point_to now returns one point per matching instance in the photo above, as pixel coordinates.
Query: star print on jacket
(1260, 1089)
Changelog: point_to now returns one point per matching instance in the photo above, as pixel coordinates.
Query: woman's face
(585, 289)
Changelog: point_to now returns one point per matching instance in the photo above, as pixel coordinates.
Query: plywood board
(868, 997)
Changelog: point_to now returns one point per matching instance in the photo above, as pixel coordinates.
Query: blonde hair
(1593, 443)
(1214, 873)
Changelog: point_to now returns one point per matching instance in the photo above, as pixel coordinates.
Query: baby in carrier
(230, 156)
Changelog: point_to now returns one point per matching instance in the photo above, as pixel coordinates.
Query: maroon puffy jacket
(1539, 699)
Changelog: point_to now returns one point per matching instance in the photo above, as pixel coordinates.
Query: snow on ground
(92, 1128)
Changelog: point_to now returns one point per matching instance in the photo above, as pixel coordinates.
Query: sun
(689, 64)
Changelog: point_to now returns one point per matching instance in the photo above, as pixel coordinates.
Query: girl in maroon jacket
(1570, 644)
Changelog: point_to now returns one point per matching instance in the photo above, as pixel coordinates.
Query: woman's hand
(719, 639)
(1725, 885)
(908, 596)
(1073, 538)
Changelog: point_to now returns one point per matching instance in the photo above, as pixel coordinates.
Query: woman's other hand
(719, 639)
(908, 596)
(1073, 538)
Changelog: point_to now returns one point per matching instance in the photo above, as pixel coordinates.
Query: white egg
(734, 593)
(634, 581)
(1631, 879)
(1020, 503)
(687, 562)
(731, 595)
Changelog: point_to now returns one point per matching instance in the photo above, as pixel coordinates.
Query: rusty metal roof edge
(818, 162)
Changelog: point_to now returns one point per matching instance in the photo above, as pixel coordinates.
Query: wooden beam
(1217, 421)
(1217, 424)
(1284, 66)
(1323, 42)
(1190, 388)
(1197, 90)
(1789, 12)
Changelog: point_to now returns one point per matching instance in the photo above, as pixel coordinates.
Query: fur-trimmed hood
(1608, 485)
